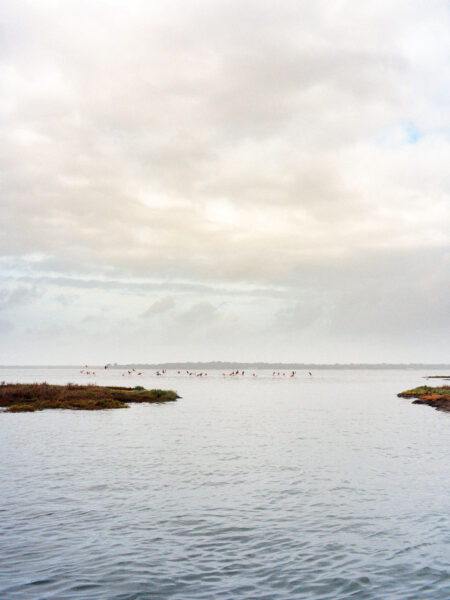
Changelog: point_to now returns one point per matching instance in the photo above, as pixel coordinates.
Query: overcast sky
(224, 180)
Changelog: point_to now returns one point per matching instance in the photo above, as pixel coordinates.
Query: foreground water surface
(322, 487)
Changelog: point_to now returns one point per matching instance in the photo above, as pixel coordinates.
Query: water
(323, 487)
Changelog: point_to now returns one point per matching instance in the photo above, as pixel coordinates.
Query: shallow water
(323, 487)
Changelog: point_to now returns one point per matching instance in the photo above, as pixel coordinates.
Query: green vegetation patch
(21, 408)
(28, 397)
(437, 397)
(425, 390)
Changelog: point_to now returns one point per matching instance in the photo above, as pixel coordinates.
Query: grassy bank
(29, 397)
(438, 397)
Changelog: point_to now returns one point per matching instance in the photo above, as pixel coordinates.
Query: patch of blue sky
(413, 135)
(399, 134)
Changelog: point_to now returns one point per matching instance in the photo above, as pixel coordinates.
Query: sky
(224, 180)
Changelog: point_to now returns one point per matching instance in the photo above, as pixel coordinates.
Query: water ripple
(235, 492)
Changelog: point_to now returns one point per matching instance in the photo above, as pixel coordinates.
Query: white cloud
(224, 145)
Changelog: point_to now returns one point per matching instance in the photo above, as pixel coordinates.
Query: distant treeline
(180, 366)
(260, 365)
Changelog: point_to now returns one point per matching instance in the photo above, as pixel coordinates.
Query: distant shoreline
(243, 365)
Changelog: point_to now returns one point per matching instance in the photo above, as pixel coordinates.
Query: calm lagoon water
(323, 487)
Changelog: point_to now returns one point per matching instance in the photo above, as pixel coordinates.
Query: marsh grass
(28, 397)
(437, 397)
(425, 390)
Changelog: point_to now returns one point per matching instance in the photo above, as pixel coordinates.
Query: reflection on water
(323, 487)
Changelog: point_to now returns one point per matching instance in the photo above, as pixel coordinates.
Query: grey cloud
(66, 300)
(143, 287)
(303, 314)
(18, 296)
(198, 314)
(6, 326)
(159, 306)
(52, 331)
(398, 295)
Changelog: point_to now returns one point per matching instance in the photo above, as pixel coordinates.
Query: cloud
(226, 149)
(271, 110)
(5, 326)
(66, 300)
(159, 306)
(199, 314)
(19, 296)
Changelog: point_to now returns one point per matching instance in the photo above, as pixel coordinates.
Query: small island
(438, 397)
(29, 397)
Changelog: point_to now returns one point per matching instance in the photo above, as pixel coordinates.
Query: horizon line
(231, 364)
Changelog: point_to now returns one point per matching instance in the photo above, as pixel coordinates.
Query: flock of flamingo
(162, 372)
